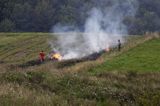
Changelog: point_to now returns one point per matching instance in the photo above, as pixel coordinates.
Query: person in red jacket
(42, 56)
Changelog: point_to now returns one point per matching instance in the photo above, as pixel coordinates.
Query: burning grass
(82, 81)
(59, 63)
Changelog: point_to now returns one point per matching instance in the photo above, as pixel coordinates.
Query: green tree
(22, 16)
(7, 26)
(44, 15)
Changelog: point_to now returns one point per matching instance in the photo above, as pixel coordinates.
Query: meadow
(130, 77)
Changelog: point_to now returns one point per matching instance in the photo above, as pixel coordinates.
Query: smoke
(102, 29)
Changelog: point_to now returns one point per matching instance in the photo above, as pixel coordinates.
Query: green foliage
(42, 15)
(36, 77)
(15, 77)
(6, 26)
(149, 99)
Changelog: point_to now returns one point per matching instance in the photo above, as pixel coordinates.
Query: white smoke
(103, 28)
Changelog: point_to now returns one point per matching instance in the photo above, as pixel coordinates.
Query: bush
(15, 77)
(6, 26)
(36, 77)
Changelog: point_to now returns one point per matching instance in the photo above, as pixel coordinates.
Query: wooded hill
(41, 15)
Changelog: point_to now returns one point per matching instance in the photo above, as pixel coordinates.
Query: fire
(56, 56)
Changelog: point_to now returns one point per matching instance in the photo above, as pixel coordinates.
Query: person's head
(42, 51)
(119, 40)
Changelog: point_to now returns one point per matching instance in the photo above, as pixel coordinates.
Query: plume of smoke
(103, 28)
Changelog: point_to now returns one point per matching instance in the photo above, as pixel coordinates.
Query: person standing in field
(119, 45)
(42, 56)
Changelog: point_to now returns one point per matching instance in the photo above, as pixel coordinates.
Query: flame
(56, 56)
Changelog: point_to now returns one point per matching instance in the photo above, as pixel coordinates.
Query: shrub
(36, 77)
(15, 77)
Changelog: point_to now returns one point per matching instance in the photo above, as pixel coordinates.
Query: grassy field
(130, 77)
(143, 58)
(21, 47)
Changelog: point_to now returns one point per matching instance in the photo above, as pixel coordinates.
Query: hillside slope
(130, 77)
(144, 57)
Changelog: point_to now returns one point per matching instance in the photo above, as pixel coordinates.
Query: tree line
(41, 15)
